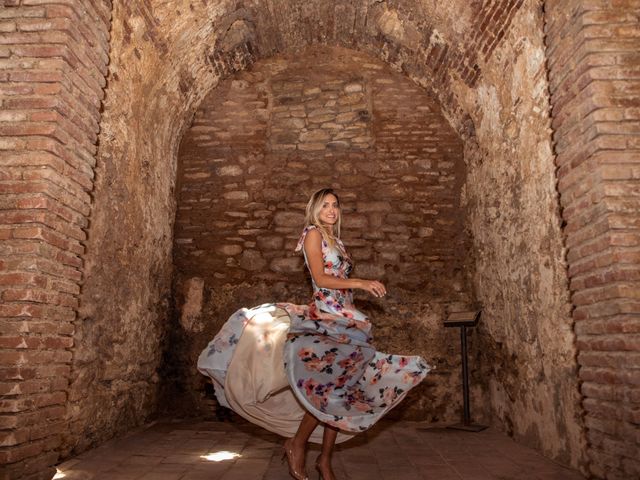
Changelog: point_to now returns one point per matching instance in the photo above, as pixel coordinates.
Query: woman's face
(330, 210)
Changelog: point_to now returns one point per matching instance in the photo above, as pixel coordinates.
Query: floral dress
(316, 358)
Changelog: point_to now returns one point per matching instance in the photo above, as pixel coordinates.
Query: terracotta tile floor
(190, 450)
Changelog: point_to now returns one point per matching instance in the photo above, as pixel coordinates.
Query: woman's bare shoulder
(313, 235)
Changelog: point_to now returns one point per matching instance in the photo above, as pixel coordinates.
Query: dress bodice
(337, 263)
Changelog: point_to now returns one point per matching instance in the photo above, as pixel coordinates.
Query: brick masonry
(592, 49)
(482, 61)
(53, 58)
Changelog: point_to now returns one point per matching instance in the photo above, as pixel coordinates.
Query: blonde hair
(312, 215)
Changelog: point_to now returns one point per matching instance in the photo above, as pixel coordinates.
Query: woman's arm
(313, 251)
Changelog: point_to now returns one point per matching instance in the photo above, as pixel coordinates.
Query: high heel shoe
(320, 474)
(288, 455)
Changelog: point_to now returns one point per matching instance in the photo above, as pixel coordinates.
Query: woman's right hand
(374, 287)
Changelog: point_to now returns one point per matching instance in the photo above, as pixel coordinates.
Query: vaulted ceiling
(189, 45)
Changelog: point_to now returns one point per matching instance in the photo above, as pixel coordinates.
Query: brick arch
(592, 68)
(54, 62)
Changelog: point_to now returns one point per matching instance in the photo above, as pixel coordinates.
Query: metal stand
(464, 320)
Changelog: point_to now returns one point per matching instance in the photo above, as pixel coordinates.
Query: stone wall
(526, 345)
(53, 58)
(593, 57)
(125, 300)
(261, 143)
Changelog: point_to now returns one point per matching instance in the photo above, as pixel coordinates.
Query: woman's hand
(374, 287)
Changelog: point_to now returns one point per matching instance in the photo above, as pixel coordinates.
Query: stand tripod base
(469, 427)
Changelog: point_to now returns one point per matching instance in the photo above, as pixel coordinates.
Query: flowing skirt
(272, 363)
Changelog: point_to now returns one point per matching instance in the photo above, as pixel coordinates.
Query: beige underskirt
(256, 385)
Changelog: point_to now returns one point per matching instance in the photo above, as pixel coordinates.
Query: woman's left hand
(374, 287)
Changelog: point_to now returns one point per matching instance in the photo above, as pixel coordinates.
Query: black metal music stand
(464, 320)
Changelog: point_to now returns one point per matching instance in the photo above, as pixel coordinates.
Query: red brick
(609, 359)
(9, 217)
(604, 277)
(49, 265)
(47, 89)
(17, 373)
(15, 405)
(21, 12)
(36, 76)
(50, 236)
(610, 376)
(14, 90)
(35, 342)
(21, 452)
(49, 429)
(56, 398)
(623, 393)
(34, 357)
(27, 419)
(29, 103)
(604, 259)
(28, 295)
(62, 285)
(22, 278)
(15, 342)
(43, 24)
(15, 437)
(9, 116)
(24, 128)
(26, 387)
(616, 324)
(609, 343)
(20, 310)
(59, 326)
(620, 448)
(606, 292)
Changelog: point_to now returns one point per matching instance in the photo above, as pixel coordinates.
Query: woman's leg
(323, 463)
(295, 447)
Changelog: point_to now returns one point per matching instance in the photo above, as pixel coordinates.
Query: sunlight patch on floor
(220, 456)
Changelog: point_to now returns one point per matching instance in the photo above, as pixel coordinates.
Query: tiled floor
(189, 450)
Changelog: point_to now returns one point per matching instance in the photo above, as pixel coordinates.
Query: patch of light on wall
(58, 474)
(220, 456)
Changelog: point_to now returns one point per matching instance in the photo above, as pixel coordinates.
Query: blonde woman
(309, 372)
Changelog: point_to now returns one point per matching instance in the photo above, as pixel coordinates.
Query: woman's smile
(330, 210)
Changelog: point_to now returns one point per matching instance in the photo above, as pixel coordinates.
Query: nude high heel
(319, 469)
(288, 455)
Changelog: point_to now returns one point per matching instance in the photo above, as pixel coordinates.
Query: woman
(333, 384)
